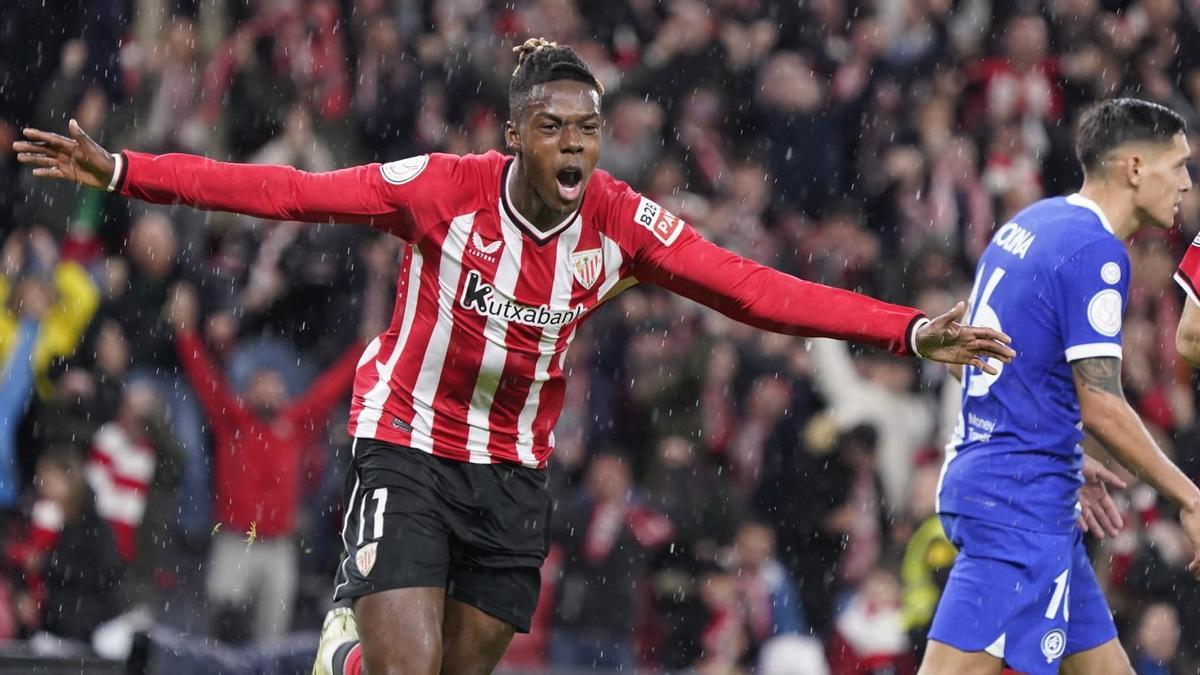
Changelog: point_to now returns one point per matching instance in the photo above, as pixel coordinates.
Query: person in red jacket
(455, 403)
(259, 440)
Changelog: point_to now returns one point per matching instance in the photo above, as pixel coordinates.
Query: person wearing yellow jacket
(76, 298)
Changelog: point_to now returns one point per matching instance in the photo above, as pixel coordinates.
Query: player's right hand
(948, 340)
(78, 159)
(1189, 518)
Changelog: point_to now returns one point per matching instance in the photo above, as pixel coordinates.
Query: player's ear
(1134, 166)
(512, 139)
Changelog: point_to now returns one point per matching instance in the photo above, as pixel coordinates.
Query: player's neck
(1117, 206)
(527, 202)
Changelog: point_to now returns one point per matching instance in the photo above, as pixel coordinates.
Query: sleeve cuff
(917, 325)
(1186, 284)
(1093, 350)
(118, 170)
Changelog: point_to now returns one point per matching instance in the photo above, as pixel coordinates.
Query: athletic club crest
(365, 558)
(586, 266)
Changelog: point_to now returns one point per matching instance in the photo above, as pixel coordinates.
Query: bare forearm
(1117, 426)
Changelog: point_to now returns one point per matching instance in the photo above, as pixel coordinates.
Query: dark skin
(555, 135)
(558, 130)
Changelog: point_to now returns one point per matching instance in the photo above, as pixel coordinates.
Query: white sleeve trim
(118, 160)
(912, 337)
(1187, 288)
(1093, 350)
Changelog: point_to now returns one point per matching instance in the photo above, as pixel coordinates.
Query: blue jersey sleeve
(1093, 288)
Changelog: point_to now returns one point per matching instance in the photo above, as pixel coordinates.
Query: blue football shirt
(1055, 278)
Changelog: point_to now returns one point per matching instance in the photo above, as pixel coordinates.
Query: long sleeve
(220, 404)
(385, 196)
(768, 299)
(313, 407)
(17, 384)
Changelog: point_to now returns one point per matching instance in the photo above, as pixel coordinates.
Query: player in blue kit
(1022, 590)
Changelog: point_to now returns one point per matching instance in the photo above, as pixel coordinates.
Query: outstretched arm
(766, 298)
(314, 406)
(212, 389)
(358, 194)
(1109, 417)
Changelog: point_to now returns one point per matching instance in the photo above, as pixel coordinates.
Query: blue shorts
(1028, 597)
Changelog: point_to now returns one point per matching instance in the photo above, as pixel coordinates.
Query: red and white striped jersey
(119, 471)
(1188, 274)
(471, 366)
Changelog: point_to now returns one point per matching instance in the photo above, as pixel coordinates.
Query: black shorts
(480, 531)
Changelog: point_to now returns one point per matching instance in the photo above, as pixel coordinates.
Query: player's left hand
(1099, 515)
(948, 340)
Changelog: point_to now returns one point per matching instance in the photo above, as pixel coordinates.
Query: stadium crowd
(176, 382)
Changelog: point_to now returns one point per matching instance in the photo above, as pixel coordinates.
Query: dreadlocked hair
(540, 61)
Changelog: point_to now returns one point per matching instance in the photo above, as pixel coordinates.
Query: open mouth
(570, 183)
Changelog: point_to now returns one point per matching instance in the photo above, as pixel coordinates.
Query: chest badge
(586, 266)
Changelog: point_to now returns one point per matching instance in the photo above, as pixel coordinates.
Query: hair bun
(529, 48)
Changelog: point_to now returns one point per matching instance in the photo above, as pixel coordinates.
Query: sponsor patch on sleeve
(661, 223)
(404, 170)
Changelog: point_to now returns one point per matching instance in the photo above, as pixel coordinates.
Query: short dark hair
(1111, 124)
(540, 61)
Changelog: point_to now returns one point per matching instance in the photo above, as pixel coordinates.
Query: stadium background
(723, 494)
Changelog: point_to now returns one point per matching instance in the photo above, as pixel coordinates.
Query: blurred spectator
(387, 95)
(880, 394)
(296, 145)
(31, 257)
(259, 442)
(155, 261)
(606, 536)
(1019, 85)
(724, 639)
(633, 138)
(32, 299)
(802, 130)
(80, 569)
(1156, 641)
(169, 89)
(792, 655)
(771, 602)
(681, 56)
(860, 519)
(133, 469)
(928, 556)
(869, 637)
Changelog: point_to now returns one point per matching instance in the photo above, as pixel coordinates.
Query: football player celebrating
(455, 403)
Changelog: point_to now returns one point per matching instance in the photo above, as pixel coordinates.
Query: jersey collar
(515, 216)
(1079, 200)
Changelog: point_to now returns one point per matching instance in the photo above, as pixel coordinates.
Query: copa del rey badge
(586, 266)
(404, 170)
(365, 558)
